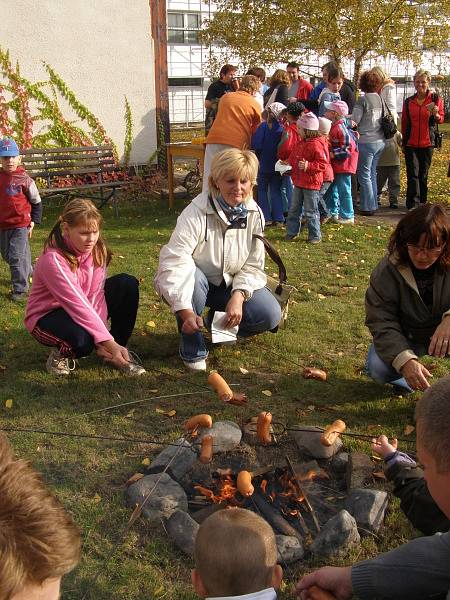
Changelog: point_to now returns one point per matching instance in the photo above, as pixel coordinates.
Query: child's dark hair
(76, 212)
(257, 72)
(335, 72)
(295, 109)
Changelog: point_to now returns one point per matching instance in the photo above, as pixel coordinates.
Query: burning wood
(303, 494)
(223, 390)
(332, 432)
(226, 492)
(273, 516)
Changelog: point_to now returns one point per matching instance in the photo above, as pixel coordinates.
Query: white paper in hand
(281, 167)
(220, 332)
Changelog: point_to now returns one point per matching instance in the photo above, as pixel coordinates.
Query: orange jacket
(238, 116)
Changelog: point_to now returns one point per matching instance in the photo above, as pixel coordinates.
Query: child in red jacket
(20, 209)
(344, 160)
(308, 163)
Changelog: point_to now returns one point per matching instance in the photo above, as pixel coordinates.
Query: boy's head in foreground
(39, 543)
(235, 554)
(9, 155)
(433, 441)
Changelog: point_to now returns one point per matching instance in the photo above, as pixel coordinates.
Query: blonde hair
(421, 73)
(310, 133)
(38, 539)
(433, 423)
(382, 75)
(235, 553)
(279, 77)
(78, 212)
(235, 163)
(250, 84)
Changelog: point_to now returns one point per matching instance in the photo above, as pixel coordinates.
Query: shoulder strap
(274, 256)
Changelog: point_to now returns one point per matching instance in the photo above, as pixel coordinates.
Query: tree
(269, 32)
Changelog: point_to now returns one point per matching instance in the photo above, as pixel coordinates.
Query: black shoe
(367, 213)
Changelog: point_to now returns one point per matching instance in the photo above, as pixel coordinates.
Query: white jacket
(204, 238)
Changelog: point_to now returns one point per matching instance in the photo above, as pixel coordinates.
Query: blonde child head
(79, 214)
(235, 554)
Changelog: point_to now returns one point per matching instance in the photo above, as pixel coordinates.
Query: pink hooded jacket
(80, 293)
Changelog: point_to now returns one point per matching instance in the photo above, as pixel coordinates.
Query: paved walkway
(385, 215)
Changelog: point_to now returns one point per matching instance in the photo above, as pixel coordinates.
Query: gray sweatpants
(15, 249)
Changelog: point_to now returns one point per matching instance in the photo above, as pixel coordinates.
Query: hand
(191, 322)
(303, 165)
(113, 353)
(416, 375)
(383, 447)
(234, 309)
(439, 344)
(292, 99)
(30, 229)
(336, 580)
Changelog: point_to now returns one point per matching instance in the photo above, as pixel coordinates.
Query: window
(183, 28)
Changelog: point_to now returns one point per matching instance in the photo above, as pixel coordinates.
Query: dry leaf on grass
(134, 478)
(9, 403)
(266, 392)
(243, 371)
(150, 324)
(97, 498)
(408, 429)
(146, 462)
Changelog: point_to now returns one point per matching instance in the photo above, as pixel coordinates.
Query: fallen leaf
(120, 256)
(321, 296)
(150, 324)
(131, 413)
(160, 411)
(266, 392)
(409, 429)
(171, 413)
(153, 391)
(311, 407)
(9, 403)
(379, 475)
(243, 371)
(134, 478)
(146, 462)
(97, 498)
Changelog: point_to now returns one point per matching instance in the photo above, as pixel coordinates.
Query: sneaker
(59, 365)
(315, 241)
(290, 238)
(346, 221)
(325, 219)
(19, 296)
(198, 365)
(334, 218)
(134, 366)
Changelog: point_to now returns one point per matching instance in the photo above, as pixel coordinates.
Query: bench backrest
(48, 163)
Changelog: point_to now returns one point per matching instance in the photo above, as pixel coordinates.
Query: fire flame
(226, 492)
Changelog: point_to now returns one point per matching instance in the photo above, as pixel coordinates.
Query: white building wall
(102, 49)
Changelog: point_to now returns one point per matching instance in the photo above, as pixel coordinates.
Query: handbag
(279, 289)
(387, 121)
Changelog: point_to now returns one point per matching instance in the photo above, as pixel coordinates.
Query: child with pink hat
(308, 161)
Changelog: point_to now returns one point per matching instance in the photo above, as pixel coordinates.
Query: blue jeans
(323, 210)
(273, 208)
(286, 192)
(381, 372)
(307, 201)
(339, 197)
(369, 155)
(261, 313)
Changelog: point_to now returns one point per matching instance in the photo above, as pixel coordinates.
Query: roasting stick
(303, 493)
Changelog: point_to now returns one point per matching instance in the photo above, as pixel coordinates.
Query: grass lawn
(325, 329)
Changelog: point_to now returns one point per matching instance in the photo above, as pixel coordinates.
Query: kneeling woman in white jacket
(214, 260)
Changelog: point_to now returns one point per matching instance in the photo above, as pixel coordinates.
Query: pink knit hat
(338, 106)
(309, 121)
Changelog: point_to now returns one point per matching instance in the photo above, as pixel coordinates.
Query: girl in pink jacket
(71, 299)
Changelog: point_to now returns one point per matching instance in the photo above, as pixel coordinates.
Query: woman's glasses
(428, 251)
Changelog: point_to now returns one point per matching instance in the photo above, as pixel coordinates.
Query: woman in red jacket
(421, 112)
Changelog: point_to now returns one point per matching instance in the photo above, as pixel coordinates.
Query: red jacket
(304, 89)
(328, 173)
(416, 129)
(289, 139)
(311, 150)
(20, 202)
(343, 146)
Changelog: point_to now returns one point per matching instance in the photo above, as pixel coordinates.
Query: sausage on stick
(331, 433)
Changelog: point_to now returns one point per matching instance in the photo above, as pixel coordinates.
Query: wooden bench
(91, 169)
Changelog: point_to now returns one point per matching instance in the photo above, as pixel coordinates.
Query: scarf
(232, 213)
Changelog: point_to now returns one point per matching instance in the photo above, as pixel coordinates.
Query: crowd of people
(302, 146)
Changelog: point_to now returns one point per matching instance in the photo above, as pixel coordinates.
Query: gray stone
(359, 470)
(309, 442)
(289, 548)
(368, 507)
(181, 464)
(226, 436)
(336, 535)
(178, 192)
(182, 529)
(339, 462)
(168, 496)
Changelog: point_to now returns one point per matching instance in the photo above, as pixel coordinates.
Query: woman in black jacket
(278, 89)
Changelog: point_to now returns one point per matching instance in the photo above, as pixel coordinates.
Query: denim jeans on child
(369, 154)
(339, 197)
(308, 202)
(272, 208)
(381, 372)
(286, 192)
(323, 209)
(261, 313)
(15, 250)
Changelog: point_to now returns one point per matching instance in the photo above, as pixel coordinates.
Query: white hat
(276, 108)
(324, 125)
